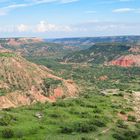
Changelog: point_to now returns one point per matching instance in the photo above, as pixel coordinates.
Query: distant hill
(107, 53)
(24, 83)
(86, 42)
(34, 47)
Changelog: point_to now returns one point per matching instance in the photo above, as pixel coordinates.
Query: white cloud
(28, 3)
(91, 28)
(123, 10)
(126, 10)
(22, 28)
(68, 1)
(44, 26)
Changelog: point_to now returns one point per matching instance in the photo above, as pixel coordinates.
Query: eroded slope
(23, 83)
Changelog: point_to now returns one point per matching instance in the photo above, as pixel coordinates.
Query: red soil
(127, 61)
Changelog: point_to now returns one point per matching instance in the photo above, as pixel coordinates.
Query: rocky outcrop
(126, 61)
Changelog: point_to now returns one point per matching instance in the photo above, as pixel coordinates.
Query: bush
(66, 129)
(99, 123)
(126, 135)
(118, 136)
(86, 138)
(121, 124)
(97, 110)
(123, 112)
(131, 118)
(80, 127)
(84, 127)
(131, 134)
(138, 125)
(5, 120)
(7, 133)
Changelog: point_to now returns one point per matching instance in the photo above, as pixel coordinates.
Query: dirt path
(136, 102)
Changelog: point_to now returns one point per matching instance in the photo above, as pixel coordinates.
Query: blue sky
(69, 18)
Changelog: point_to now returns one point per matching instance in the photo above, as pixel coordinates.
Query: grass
(64, 119)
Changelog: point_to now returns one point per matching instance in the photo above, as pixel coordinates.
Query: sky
(69, 18)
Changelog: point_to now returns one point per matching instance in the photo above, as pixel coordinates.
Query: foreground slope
(23, 83)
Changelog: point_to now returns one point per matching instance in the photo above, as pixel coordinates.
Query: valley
(52, 92)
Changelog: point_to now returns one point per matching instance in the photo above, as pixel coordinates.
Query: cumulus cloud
(92, 28)
(22, 28)
(44, 26)
(41, 27)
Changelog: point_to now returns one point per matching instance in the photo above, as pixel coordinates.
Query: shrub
(122, 112)
(99, 123)
(131, 134)
(121, 124)
(126, 135)
(66, 129)
(80, 127)
(118, 136)
(7, 133)
(5, 120)
(131, 118)
(97, 110)
(86, 138)
(84, 127)
(138, 125)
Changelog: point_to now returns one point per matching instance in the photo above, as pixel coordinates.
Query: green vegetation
(2, 92)
(92, 115)
(7, 55)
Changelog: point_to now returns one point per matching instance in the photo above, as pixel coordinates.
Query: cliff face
(24, 83)
(126, 61)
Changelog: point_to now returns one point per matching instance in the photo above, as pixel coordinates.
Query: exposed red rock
(58, 93)
(126, 61)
